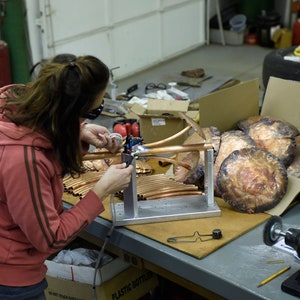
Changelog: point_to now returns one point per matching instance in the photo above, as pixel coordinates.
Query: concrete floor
(239, 62)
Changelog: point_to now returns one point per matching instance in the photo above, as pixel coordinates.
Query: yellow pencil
(274, 275)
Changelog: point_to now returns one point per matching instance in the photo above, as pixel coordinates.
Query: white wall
(131, 34)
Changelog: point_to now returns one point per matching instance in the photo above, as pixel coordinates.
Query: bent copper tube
(148, 152)
(173, 137)
(171, 161)
(176, 194)
(193, 124)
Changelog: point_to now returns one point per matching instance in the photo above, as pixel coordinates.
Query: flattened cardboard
(158, 107)
(282, 100)
(292, 191)
(225, 108)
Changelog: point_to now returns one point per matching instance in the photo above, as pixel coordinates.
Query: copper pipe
(100, 155)
(68, 179)
(159, 188)
(172, 161)
(173, 137)
(84, 183)
(164, 164)
(193, 124)
(169, 195)
(82, 190)
(168, 190)
(148, 152)
(176, 149)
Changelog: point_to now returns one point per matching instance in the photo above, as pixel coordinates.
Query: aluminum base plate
(166, 209)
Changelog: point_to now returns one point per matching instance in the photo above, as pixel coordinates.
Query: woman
(42, 138)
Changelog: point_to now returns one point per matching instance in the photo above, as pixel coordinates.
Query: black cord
(101, 254)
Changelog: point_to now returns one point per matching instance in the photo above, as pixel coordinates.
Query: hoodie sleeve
(33, 192)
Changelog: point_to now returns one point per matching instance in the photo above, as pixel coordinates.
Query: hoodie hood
(11, 134)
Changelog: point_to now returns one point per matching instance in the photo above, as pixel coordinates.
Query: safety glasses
(93, 114)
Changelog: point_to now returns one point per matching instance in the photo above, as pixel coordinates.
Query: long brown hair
(53, 103)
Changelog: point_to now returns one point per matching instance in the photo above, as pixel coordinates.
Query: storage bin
(231, 37)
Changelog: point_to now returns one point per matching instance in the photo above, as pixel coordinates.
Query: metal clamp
(215, 235)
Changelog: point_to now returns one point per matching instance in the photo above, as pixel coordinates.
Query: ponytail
(64, 90)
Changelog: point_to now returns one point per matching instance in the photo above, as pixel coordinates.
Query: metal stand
(220, 22)
(132, 211)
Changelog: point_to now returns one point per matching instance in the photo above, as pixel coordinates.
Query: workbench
(231, 272)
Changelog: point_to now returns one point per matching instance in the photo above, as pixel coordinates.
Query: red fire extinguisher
(296, 33)
(5, 74)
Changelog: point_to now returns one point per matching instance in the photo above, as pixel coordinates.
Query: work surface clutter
(255, 159)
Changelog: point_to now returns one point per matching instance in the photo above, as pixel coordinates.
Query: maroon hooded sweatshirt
(33, 222)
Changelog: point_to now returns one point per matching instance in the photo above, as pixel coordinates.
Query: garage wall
(130, 34)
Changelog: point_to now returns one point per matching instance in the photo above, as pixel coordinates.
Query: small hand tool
(205, 78)
(215, 235)
(182, 83)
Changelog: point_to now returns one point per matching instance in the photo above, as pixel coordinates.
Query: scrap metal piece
(215, 235)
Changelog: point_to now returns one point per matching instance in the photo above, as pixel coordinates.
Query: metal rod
(149, 152)
(176, 149)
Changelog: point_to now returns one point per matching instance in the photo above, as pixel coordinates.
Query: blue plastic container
(238, 22)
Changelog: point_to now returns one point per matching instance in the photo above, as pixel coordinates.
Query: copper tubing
(71, 183)
(168, 190)
(160, 182)
(173, 137)
(171, 161)
(169, 195)
(84, 183)
(82, 191)
(100, 155)
(148, 152)
(193, 124)
(176, 149)
(165, 163)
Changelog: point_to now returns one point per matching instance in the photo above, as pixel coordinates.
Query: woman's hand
(116, 178)
(99, 136)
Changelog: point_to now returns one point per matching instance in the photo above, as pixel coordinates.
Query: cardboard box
(282, 38)
(129, 284)
(282, 100)
(226, 107)
(160, 120)
(85, 274)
